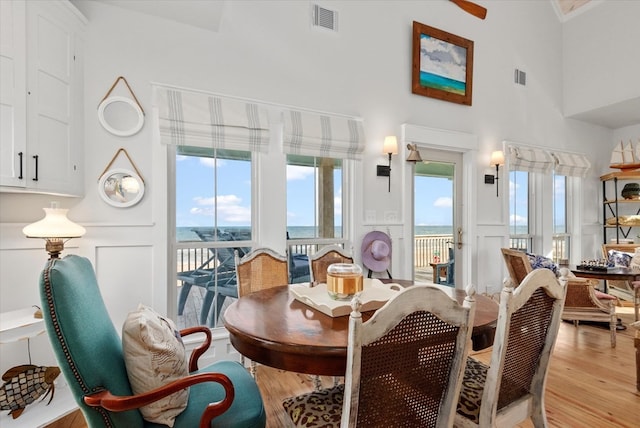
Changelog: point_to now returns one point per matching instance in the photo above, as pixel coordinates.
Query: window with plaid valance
(529, 159)
(535, 159)
(200, 119)
(570, 164)
(323, 135)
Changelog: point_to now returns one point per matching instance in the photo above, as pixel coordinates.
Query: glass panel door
(437, 217)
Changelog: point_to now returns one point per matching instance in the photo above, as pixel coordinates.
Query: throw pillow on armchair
(538, 261)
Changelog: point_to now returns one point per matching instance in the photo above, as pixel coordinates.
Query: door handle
(35, 158)
(20, 157)
(459, 238)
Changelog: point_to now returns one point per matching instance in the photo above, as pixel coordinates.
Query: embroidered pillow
(154, 356)
(538, 262)
(619, 258)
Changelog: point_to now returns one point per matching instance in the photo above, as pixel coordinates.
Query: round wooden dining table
(273, 328)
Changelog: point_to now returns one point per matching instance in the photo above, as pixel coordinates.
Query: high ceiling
(207, 14)
(567, 9)
(204, 14)
(568, 6)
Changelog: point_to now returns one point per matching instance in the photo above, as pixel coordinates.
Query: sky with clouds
(195, 197)
(442, 58)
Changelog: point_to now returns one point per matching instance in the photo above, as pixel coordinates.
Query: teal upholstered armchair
(90, 354)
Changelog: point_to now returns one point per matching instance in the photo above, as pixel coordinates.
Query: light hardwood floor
(589, 384)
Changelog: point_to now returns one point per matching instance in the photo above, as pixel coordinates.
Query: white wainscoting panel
(489, 264)
(126, 279)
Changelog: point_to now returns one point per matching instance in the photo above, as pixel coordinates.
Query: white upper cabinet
(12, 93)
(42, 112)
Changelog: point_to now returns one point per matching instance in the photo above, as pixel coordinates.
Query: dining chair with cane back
(260, 269)
(512, 387)
(321, 260)
(93, 358)
(404, 365)
(582, 302)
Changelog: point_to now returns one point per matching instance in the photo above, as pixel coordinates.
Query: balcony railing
(520, 242)
(431, 249)
(427, 249)
(560, 251)
(561, 248)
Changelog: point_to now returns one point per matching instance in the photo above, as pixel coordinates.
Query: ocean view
(431, 80)
(188, 233)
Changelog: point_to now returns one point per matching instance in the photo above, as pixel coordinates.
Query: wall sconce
(390, 148)
(497, 159)
(55, 228)
(414, 154)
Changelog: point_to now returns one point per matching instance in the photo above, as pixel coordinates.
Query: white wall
(626, 134)
(601, 61)
(267, 51)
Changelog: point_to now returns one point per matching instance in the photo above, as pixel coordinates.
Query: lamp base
(54, 247)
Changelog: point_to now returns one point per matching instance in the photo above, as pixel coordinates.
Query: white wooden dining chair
(511, 388)
(404, 365)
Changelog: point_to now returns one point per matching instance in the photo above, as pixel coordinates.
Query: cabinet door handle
(20, 177)
(35, 157)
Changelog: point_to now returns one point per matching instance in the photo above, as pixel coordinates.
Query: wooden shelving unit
(615, 206)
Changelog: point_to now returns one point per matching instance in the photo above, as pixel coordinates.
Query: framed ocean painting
(442, 65)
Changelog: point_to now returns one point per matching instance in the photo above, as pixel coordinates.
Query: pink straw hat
(376, 251)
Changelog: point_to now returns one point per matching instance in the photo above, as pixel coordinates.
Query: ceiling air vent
(520, 77)
(325, 18)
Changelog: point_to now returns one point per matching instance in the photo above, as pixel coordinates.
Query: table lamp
(55, 228)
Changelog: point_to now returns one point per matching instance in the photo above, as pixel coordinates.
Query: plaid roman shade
(194, 118)
(530, 159)
(323, 135)
(571, 164)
